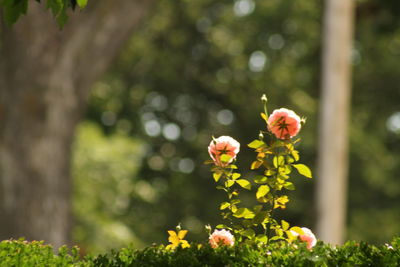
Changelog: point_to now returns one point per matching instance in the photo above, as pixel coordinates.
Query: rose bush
(276, 157)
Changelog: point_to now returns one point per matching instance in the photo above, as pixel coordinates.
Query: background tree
(45, 77)
(334, 121)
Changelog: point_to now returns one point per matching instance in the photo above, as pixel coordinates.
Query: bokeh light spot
(108, 118)
(393, 123)
(276, 41)
(152, 128)
(225, 117)
(186, 165)
(243, 7)
(257, 61)
(171, 131)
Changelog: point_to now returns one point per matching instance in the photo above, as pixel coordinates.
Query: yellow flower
(177, 239)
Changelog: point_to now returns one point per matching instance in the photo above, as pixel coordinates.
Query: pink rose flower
(284, 123)
(223, 145)
(221, 237)
(308, 237)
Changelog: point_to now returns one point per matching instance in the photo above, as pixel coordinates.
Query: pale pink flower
(221, 237)
(223, 145)
(284, 123)
(308, 237)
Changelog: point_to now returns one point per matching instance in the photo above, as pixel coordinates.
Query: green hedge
(21, 253)
(350, 254)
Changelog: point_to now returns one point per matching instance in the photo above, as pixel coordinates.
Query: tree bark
(334, 110)
(45, 79)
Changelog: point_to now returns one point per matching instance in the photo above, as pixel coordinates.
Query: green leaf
(225, 158)
(62, 18)
(238, 227)
(82, 3)
(269, 172)
(249, 233)
(303, 170)
(229, 183)
(262, 191)
(281, 202)
(276, 238)
(235, 176)
(235, 201)
(290, 146)
(297, 229)
(234, 208)
(244, 213)
(255, 165)
(260, 179)
(290, 235)
(55, 6)
(290, 159)
(285, 169)
(224, 205)
(217, 176)
(13, 10)
(285, 225)
(244, 183)
(278, 161)
(222, 226)
(289, 186)
(59, 10)
(260, 217)
(262, 200)
(262, 238)
(295, 155)
(279, 232)
(256, 144)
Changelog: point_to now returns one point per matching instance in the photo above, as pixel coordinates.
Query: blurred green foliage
(198, 68)
(105, 176)
(374, 193)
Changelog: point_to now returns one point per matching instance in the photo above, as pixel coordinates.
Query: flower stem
(270, 217)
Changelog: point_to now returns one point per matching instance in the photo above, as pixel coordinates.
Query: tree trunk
(45, 77)
(334, 110)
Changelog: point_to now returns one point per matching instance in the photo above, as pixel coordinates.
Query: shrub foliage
(276, 254)
(22, 253)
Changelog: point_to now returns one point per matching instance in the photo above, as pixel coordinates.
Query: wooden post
(333, 122)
